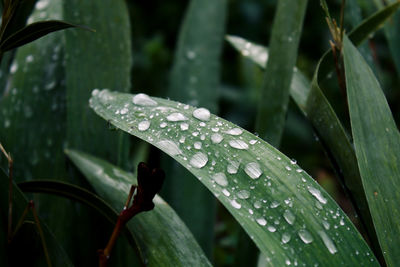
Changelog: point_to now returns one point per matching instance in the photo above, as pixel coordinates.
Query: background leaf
(161, 236)
(377, 146)
(195, 80)
(282, 208)
(285, 37)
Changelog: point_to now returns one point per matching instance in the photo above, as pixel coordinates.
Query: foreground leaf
(377, 146)
(162, 238)
(284, 43)
(286, 213)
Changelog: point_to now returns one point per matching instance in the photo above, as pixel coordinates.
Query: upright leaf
(162, 238)
(274, 99)
(377, 146)
(100, 59)
(195, 80)
(286, 213)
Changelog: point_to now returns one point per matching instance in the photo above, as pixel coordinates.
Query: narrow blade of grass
(274, 99)
(377, 146)
(194, 80)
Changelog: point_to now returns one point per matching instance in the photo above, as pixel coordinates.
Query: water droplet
(143, 125)
(216, 138)
(7, 123)
(253, 170)
(29, 59)
(261, 221)
(305, 236)
(42, 4)
(293, 161)
(232, 167)
(197, 145)
(271, 228)
(220, 179)
(328, 242)
(169, 147)
(238, 144)
(184, 126)
(163, 124)
(14, 67)
(202, 114)
(199, 160)
(243, 194)
(326, 224)
(285, 238)
(191, 54)
(288, 168)
(289, 216)
(274, 204)
(252, 142)
(235, 204)
(226, 192)
(143, 100)
(124, 111)
(257, 204)
(234, 131)
(317, 194)
(176, 117)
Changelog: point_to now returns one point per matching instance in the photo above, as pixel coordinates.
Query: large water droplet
(285, 238)
(143, 100)
(234, 131)
(176, 117)
(184, 126)
(169, 147)
(226, 192)
(305, 236)
(328, 242)
(220, 179)
(202, 114)
(199, 160)
(232, 167)
(317, 194)
(289, 216)
(143, 125)
(216, 138)
(261, 221)
(243, 194)
(238, 144)
(235, 204)
(197, 145)
(253, 170)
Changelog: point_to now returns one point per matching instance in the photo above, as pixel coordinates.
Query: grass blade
(377, 146)
(286, 213)
(285, 37)
(161, 236)
(94, 60)
(194, 79)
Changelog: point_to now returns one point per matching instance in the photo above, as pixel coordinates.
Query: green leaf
(286, 213)
(34, 31)
(57, 255)
(96, 60)
(161, 236)
(194, 79)
(377, 146)
(284, 43)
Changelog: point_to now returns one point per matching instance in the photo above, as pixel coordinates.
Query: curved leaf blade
(34, 31)
(162, 238)
(286, 213)
(377, 146)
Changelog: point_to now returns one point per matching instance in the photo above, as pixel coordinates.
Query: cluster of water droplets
(213, 149)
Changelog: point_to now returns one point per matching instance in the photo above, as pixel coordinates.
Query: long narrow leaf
(285, 37)
(286, 213)
(377, 146)
(194, 78)
(161, 236)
